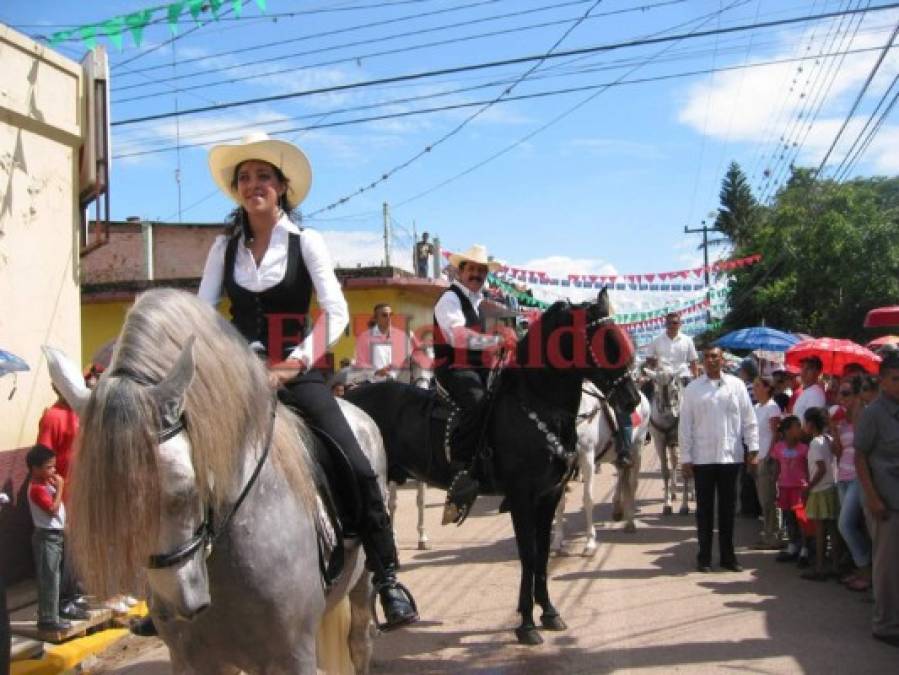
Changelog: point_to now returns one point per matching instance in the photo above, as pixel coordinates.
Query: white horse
(663, 428)
(202, 488)
(596, 446)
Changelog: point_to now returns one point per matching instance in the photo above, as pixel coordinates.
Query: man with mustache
(460, 367)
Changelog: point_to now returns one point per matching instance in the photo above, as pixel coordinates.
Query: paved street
(637, 605)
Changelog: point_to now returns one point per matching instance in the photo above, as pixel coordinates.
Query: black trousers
(715, 481)
(468, 388)
(312, 399)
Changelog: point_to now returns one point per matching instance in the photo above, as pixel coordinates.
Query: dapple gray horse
(199, 485)
(663, 428)
(596, 446)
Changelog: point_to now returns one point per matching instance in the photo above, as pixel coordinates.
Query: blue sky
(607, 189)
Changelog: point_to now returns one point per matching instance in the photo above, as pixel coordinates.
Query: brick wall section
(179, 251)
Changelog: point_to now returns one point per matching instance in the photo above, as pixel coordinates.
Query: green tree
(738, 206)
(830, 253)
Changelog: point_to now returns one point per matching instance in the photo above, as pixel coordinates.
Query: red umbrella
(883, 317)
(884, 340)
(835, 355)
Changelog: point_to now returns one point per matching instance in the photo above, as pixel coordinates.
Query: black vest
(292, 295)
(447, 356)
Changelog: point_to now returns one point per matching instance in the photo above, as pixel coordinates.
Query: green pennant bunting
(88, 36)
(237, 7)
(113, 29)
(261, 5)
(136, 23)
(173, 13)
(61, 36)
(215, 5)
(195, 7)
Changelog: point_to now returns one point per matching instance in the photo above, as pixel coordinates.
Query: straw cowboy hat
(476, 254)
(223, 160)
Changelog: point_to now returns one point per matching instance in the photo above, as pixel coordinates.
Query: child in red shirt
(792, 478)
(49, 515)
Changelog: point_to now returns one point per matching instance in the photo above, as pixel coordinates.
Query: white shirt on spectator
(716, 419)
(335, 315)
(819, 451)
(811, 397)
(382, 355)
(763, 414)
(678, 353)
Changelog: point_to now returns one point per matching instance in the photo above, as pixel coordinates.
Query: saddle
(339, 503)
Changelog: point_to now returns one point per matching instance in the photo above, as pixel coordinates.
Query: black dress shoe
(733, 566)
(892, 640)
(786, 556)
(143, 627)
(705, 569)
(399, 608)
(54, 626)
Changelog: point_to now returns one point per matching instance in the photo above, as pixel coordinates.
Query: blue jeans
(47, 549)
(852, 522)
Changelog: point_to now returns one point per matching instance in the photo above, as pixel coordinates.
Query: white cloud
(760, 104)
(353, 248)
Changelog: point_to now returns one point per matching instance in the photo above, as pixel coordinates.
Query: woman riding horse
(269, 267)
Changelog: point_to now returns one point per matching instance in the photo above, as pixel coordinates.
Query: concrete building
(41, 128)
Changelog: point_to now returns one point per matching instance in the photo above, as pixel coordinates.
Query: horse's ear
(169, 394)
(67, 379)
(602, 302)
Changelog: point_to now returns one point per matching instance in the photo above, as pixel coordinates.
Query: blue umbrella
(10, 363)
(760, 337)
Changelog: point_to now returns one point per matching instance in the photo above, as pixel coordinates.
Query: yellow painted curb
(60, 658)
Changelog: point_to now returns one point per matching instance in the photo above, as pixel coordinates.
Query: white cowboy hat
(476, 254)
(223, 160)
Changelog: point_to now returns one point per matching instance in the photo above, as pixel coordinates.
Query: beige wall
(40, 133)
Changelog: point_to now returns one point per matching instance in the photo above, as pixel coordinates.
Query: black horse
(530, 432)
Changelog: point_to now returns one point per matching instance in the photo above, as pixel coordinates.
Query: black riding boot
(380, 555)
(463, 487)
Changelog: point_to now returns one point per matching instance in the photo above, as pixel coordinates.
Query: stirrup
(386, 626)
(460, 497)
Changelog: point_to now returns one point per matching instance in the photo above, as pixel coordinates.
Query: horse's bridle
(618, 381)
(206, 534)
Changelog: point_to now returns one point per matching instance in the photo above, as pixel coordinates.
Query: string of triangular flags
(134, 23)
(579, 280)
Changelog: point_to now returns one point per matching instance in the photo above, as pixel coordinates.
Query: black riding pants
(715, 481)
(467, 388)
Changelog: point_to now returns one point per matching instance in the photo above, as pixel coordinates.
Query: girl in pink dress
(792, 478)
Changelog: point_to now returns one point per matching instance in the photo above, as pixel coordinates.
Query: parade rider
(460, 368)
(674, 349)
(267, 265)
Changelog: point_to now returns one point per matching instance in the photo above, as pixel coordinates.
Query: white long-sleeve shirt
(715, 416)
(257, 278)
(451, 319)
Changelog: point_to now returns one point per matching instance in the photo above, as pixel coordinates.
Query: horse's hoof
(553, 622)
(667, 511)
(589, 549)
(630, 527)
(684, 511)
(424, 546)
(528, 635)
(617, 516)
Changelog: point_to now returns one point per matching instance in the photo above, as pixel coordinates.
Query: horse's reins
(207, 534)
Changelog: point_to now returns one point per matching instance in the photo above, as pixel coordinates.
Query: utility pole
(386, 235)
(414, 255)
(704, 230)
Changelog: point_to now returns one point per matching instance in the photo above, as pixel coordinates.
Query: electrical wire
(850, 160)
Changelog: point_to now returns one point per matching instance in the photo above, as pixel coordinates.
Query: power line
(577, 106)
(858, 99)
(848, 163)
(355, 58)
(365, 26)
(471, 104)
(504, 62)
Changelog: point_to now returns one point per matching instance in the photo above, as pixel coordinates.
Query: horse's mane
(115, 505)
